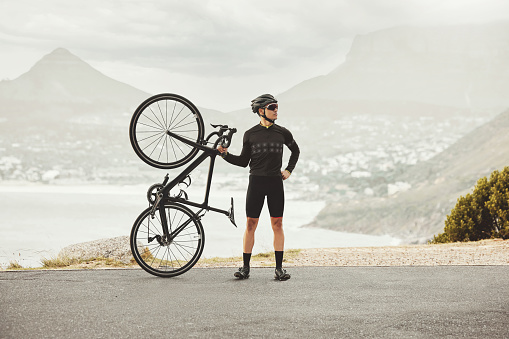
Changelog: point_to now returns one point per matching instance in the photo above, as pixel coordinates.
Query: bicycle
(166, 131)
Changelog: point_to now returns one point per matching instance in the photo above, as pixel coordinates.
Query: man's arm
(241, 160)
(294, 148)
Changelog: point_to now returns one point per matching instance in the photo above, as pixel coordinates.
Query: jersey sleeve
(294, 148)
(241, 160)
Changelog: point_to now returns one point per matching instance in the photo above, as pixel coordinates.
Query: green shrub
(484, 214)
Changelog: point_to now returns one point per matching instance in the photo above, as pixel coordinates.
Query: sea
(37, 221)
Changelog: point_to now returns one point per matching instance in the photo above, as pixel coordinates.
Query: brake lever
(225, 143)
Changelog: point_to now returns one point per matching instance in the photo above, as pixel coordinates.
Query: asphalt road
(328, 302)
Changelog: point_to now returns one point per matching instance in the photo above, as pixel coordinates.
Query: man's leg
(279, 235)
(276, 203)
(255, 198)
(249, 234)
(279, 240)
(249, 237)
(279, 246)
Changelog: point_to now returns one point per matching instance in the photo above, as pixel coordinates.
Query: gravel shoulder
(484, 252)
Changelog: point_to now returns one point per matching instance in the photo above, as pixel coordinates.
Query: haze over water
(38, 221)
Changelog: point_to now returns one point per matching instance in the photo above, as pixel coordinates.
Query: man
(262, 149)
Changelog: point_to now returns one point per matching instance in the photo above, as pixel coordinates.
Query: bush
(14, 265)
(484, 214)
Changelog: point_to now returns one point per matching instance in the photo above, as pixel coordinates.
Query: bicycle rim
(149, 126)
(167, 260)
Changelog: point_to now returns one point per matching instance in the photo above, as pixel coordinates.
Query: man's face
(270, 111)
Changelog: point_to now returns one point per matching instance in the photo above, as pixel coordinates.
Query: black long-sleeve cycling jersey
(262, 149)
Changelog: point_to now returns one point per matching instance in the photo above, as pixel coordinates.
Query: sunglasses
(272, 107)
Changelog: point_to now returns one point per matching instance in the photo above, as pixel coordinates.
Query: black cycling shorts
(259, 187)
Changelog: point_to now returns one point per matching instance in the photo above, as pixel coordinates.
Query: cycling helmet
(262, 101)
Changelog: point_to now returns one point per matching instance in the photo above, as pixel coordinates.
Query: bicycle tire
(167, 260)
(157, 115)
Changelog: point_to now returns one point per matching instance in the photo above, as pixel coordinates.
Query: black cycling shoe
(280, 274)
(242, 273)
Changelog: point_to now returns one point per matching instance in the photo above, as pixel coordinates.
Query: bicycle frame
(163, 194)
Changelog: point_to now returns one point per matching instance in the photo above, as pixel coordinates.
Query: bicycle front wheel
(154, 118)
(167, 258)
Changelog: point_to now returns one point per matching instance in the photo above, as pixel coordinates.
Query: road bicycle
(166, 132)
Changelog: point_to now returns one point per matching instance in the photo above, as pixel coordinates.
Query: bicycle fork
(168, 233)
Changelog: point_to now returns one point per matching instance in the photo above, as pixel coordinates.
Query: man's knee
(251, 224)
(277, 223)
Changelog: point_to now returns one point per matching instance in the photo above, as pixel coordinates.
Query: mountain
(65, 116)
(62, 77)
(466, 67)
(419, 213)
(62, 87)
(411, 72)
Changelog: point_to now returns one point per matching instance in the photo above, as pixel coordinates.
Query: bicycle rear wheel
(149, 126)
(161, 258)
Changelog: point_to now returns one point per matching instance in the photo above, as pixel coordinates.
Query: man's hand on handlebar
(222, 150)
(224, 142)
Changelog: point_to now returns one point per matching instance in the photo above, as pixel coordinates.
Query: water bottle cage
(182, 195)
(184, 181)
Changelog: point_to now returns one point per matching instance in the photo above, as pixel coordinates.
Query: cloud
(211, 38)
(216, 40)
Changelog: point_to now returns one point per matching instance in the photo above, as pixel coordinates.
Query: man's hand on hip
(286, 174)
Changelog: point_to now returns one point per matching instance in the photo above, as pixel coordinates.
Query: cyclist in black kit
(262, 149)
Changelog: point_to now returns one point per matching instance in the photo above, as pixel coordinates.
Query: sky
(219, 54)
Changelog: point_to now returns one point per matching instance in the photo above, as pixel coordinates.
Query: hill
(420, 212)
(60, 77)
(66, 118)
(466, 67)
(60, 87)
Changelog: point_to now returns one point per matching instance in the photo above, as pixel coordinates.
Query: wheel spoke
(166, 111)
(178, 114)
(174, 256)
(157, 128)
(150, 136)
(158, 142)
(178, 123)
(158, 124)
(163, 126)
(161, 261)
(178, 245)
(176, 144)
(161, 152)
(162, 116)
(189, 123)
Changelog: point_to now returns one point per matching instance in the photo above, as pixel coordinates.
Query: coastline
(492, 252)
